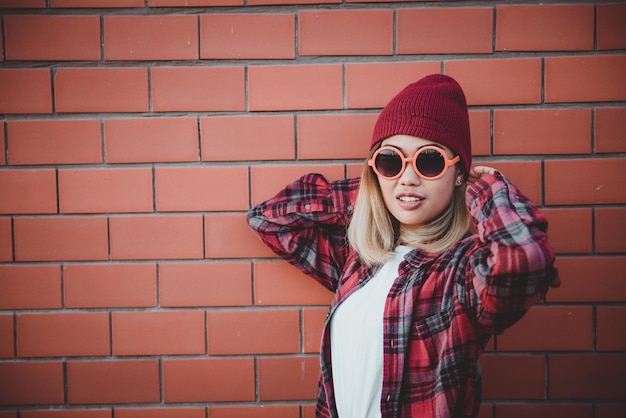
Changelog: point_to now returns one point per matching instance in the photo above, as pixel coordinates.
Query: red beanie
(433, 108)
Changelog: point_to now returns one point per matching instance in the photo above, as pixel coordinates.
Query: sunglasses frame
(448, 162)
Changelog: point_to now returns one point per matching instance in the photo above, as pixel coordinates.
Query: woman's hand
(479, 171)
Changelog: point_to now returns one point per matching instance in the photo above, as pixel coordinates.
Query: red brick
(288, 378)
(52, 38)
(6, 336)
(445, 30)
(372, 85)
(279, 283)
(66, 238)
(610, 410)
(192, 3)
(205, 284)
(312, 325)
(159, 37)
(201, 188)
(234, 226)
(110, 285)
(544, 27)
(308, 411)
(36, 142)
(498, 81)
(269, 180)
(610, 23)
(156, 237)
(543, 410)
(480, 132)
(551, 328)
(345, 32)
(31, 383)
(253, 332)
(610, 319)
(545, 131)
(585, 79)
(3, 142)
(63, 335)
(28, 191)
(570, 230)
(277, 2)
(96, 3)
(610, 125)
(609, 284)
(201, 89)
(610, 225)
(151, 140)
(355, 170)
(513, 377)
(101, 90)
(105, 190)
(113, 381)
(6, 240)
(67, 413)
(25, 90)
(295, 87)
(30, 287)
(247, 36)
(336, 136)
(486, 410)
(23, 4)
(209, 380)
(186, 412)
(158, 333)
(526, 175)
(592, 181)
(259, 411)
(587, 376)
(247, 138)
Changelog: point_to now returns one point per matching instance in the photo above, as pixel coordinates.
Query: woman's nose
(410, 176)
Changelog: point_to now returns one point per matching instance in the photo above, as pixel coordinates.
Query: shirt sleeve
(512, 266)
(305, 224)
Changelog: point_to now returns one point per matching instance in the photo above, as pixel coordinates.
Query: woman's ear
(460, 177)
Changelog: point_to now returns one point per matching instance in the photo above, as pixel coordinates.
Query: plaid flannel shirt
(442, 308)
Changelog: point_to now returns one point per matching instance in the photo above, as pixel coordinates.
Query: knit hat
(432, 108)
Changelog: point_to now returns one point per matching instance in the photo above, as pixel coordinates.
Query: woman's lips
(409, 201)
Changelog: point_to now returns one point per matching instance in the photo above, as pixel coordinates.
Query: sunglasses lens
(388, 163)
(430, 163)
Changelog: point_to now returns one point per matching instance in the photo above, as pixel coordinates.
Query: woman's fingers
(478, 171)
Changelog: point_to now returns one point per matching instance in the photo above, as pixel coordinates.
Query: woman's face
(412, 200)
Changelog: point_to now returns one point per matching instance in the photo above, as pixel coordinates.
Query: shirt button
(307, 206)
(350, 208)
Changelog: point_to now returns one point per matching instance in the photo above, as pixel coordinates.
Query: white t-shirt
(356, 343)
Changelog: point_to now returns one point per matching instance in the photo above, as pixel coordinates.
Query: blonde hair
(374, 233)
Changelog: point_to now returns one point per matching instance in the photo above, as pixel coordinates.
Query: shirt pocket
(429, 358)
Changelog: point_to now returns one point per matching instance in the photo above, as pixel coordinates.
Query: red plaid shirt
(442, 309)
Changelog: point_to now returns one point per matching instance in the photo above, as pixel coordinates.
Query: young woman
(417, 296)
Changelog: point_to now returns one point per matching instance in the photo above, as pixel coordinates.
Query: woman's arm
(305, 224)
(513, 265)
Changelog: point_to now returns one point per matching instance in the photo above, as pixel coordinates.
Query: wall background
(136, 134)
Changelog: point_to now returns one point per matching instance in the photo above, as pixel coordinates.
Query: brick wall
(136, 134)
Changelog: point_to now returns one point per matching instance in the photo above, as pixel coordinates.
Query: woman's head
(433, 108)
(413, 185)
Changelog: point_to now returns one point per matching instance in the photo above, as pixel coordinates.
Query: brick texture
(48, 142)
(135, 135)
